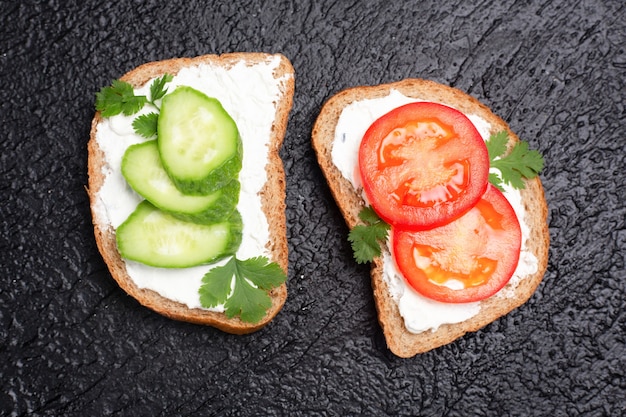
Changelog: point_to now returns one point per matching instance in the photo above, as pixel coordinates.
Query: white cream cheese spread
(249, 93)
(419, 313)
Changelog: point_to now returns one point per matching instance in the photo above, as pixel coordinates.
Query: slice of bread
(399, 340)
(272, 194)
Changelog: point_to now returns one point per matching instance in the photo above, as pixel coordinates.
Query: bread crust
(272, 194)
(399, 340)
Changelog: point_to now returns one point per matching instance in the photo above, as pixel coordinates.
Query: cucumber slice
(155, 238)
(143, 170)
(198, 141)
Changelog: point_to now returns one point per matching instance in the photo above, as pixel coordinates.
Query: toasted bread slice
(399, 340)
(272, 194)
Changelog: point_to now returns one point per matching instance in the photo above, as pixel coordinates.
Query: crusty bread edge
(399, 340)
(272, 194)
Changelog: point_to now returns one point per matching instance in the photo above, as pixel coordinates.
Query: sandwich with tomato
(443, 200)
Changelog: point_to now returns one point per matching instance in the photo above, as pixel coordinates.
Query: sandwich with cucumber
(444, 201)
(187, 188)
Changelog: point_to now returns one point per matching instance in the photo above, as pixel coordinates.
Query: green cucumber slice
(198, 141)
(155, 238)
(143, 170)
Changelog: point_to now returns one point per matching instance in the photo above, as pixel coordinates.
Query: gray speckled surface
(72, 343)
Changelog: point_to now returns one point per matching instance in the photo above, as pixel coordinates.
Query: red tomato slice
(466, 260)
(422, 165)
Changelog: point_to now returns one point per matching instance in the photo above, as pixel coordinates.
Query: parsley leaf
(119, 98)
(146, 124)
(249, 299)
(365, 238)
(518, 164)
(157, 90)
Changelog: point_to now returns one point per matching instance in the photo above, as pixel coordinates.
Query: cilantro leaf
(365, 238)
(265, 274)
(249, 299)
(216, 285)
(247, 302)
(146, 124)
(157, 90)
(518, 164)
(531, 160)
(369, 216)
(496, 181)
(496, 145)
(119, 98)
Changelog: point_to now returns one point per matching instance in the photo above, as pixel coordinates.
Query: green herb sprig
(146, 125)
(518, 164)
(365, 238)
(249, 299)
(120, 98)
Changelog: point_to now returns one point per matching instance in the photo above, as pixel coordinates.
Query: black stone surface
(72, 343)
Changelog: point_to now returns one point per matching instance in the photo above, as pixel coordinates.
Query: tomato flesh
(422, 165)
(466, 260)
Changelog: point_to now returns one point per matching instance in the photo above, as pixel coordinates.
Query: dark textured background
(72, 343)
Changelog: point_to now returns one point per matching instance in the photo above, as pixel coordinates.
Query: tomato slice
(422, 165)
(466, 260)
